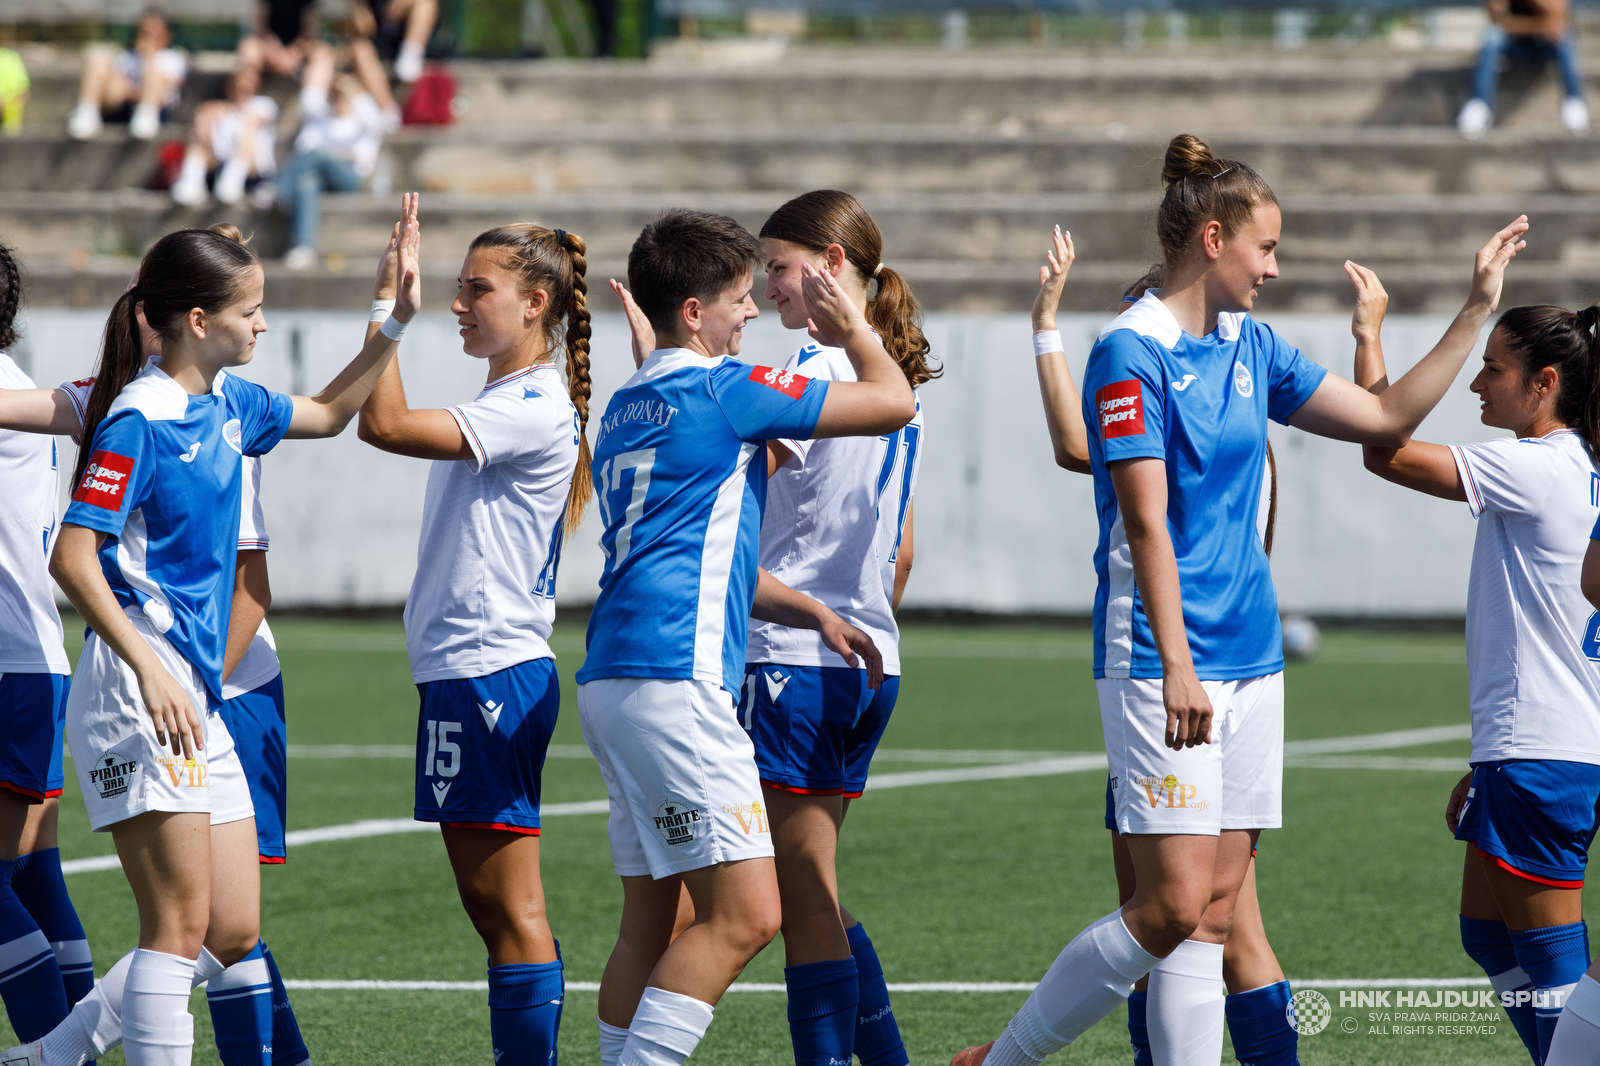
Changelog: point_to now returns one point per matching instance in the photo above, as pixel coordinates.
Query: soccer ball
(1301, 637)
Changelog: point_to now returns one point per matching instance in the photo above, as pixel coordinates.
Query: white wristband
(393, 328)
(1047, 341)
(380, 310)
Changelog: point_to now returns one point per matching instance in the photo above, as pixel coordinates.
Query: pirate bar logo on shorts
(676, 821)
(787, 382)
(104, 480)
(109, 776)
(1120, 406)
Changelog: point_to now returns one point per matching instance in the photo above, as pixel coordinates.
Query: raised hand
(1489, 268)
(1052, 280)
(1371, 302)
(832, 315)
(644, 334)
(408, 252)
(383, 285)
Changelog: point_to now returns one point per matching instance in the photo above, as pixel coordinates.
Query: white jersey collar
(156, 396)
(1149, 317)
(665, 361)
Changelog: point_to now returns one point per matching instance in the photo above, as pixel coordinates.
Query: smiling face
(783, 260)
(494, 315)
(718, 322)
(1509, 398)
(1245, 259)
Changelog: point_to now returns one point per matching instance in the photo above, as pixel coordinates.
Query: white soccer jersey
(1532, 660)
(260, 662)
(483, 598)
(833, 526)
(30, 627)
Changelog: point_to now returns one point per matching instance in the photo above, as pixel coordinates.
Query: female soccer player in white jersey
(1527, 810)
(146, 554)
(510, 478)
(1179, 388)
(838, 527)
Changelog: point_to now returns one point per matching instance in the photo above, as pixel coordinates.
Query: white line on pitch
(579, 751)
(897, 987)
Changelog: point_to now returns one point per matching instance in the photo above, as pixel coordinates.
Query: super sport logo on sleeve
(1120, 406)
(787, 382)
(104, 480)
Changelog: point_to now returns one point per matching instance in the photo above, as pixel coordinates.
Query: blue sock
(30, 980)
(1258, 1021)
(288, 1046)
(1138, 1033)
(240, 998)
(36, 879)
(525, 1012)
(823, 997)
(1489, 945)
(1554, 958)
(878, 1040)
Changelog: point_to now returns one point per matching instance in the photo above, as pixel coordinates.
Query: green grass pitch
(972, 881)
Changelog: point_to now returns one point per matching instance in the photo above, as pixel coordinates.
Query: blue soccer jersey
(163, 479)
(681, 484)
(1201, 404)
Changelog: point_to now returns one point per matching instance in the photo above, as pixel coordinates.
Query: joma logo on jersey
(1120, 406)
(1172, 790)
(787, 382)
(104, 478)
(185, 773)
(676, 821)
(752, 817)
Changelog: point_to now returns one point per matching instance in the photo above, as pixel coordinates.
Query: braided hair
(10, 296)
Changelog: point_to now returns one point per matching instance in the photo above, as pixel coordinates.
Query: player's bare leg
(805, 842)
(737, 913)
(651, 912)
(1248, 960)
(234, 925)
(497, 876)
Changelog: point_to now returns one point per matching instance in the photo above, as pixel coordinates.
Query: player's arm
(902, 561)
(1549, 20)
(1141, 487)
(75, 565)
(880, 400)
(1063, 407)
(252, 597)
(1589, 579)
(329, 411)
(38, 411)
(1344, 411)
(776, 602)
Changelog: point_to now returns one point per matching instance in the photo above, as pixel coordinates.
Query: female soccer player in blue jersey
(838, 528)
(1178, 390)
(510, 478)
(146, 554)
(1527, 809)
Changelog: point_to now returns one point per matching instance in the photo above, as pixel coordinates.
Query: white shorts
(680, 771)
(121, 768)
(1235, 782)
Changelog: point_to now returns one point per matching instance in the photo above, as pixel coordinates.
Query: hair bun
(1589, 316)
(230, 231)
(1187, 155)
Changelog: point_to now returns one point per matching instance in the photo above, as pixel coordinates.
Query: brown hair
(1200, 189)
(682, 254)
(553, 259)
(817, 219)
(1547, 336)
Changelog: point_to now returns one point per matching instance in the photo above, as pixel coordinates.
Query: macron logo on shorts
(104, 480)
(787, 382)
(1121, 409)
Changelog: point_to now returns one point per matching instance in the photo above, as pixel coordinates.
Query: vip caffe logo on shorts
(752, 816)
(109, 776)
(1441, 1012)
(676, 821)
(1171, 791)
(185, 773)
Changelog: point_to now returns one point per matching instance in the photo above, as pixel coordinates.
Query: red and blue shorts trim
(815, 728)
(1533, 818)
(33, 707)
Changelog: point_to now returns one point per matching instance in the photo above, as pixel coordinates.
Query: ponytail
(1272, 501)
(579, 386)
(121, 359)
(814, 220)
(10, 296)
(1547, 336)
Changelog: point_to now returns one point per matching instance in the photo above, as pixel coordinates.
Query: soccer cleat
(84, 122)
(1575, 115)
(972, 1056)
(22, 1055)
(1474, 119)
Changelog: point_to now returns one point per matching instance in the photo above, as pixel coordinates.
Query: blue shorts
(260, 735)
(34, 709)
(1533, 817)
(496, 729)
(815, 728)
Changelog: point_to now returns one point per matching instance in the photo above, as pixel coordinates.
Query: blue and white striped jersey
(681, 483)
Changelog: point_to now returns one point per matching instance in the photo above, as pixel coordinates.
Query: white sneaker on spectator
(190, 188)
(145, 123)
(84, 122)
(229, 188)
(263, 196)
(408, 64)
(391, 118)
(300, 257)
(1474, 119)
(1575, 115)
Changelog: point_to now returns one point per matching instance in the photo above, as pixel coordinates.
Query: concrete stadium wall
(999, 528)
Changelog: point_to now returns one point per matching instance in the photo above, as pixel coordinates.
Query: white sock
(1090, 977)
(156, 1027)
(1577, 1037)
(194, 169)
(1185, 1010)
(408, 64)
(612, 1040)
(666, 1029)
(95, 1025)
(230, 183)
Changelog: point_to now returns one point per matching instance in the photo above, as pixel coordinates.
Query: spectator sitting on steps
(395, 29)
(1531, 32)
(232, 138)
(336, 151)
(138, 85)
(286, 32)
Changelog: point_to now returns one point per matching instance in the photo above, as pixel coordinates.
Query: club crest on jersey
(110, 776)
(787, 382)
(104, 479)
(676, 821)
(1242, 382)
(232, 434)
(1120, 406)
